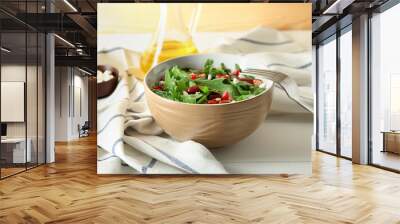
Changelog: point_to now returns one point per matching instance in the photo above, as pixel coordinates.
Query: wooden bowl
(104, 89)
(213, 125)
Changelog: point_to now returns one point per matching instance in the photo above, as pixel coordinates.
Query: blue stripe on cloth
(178, 162)
(150, 165)
(174, 160)
(109, 121)
(289, 66)
(134, 87)
(115, 144)
(264, 43)
(139, 97)
(99, 160)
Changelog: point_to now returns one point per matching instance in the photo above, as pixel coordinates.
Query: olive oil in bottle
(170, 49)
(171, 40)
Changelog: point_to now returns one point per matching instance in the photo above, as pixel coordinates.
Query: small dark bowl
(104, 89)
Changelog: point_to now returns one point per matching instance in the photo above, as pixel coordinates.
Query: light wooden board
(143, 18)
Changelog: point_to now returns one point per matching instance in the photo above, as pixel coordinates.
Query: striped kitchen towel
(127, 131)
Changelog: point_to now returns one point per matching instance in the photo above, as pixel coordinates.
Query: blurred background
(188, 28)
(142, 18)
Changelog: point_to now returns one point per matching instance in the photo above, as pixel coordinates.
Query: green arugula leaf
(182, 84)
(171, 86)
(178, 73)
(202, 99)
(218, 85)
(242, 90)
(192, 83)
(191, 98)
(204, 89)
(208, 66)
(249, 76)
(258, 90)
(162, 94)
(169, 81)
(237, 67)
(215, 71)
(225, 69)
(243, 97)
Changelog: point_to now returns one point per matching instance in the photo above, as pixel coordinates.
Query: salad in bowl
(208, 85)
(206, 98)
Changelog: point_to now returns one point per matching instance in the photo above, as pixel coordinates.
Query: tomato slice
(248, 80)
(202, 76)
(257, 82)
(226, 96)
(193, 76)
(193, 89)
(222, 76)
(158, 87)
(236, 72)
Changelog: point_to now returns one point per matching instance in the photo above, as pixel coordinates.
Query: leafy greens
(210, 85)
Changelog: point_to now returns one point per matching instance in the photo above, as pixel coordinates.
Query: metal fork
(283, 81)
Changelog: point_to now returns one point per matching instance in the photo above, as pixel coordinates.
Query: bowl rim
(109, 84)
(203, 104)
(105, 67)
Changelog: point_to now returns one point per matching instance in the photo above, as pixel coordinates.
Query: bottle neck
(175, 28)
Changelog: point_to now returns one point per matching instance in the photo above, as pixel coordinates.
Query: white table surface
(12, 140)
(19, 152)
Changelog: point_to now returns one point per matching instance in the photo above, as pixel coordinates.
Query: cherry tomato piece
(225, 96)
(248, 80)
(222, 76)
(193, 89)
(158, 87)
(236, 72)
(257, 82)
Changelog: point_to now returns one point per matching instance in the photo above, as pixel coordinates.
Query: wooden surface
(69, 191)
(92, 105)
(143, 18)
(7, 171)
(391, 142)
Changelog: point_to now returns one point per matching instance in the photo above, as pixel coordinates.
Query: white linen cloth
(126, 130)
